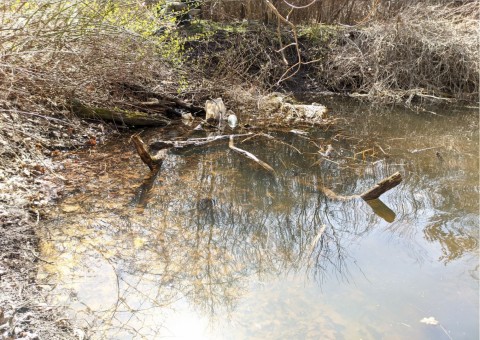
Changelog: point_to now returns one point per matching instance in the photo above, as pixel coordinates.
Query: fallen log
(123, 117)
(249, 155)
(382, 186)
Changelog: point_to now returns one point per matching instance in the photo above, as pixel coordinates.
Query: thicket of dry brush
(349, 12)
(58, 49)
(52, 51)
(424, 51)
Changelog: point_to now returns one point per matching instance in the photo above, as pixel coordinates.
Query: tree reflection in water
(212, 223)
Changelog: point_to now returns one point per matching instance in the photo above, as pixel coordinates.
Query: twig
(250, 156)
(316, 239)
(37, 257)
(424, 149)
(295, 67)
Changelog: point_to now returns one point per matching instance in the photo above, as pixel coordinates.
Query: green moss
(318, 33)
(119, 116)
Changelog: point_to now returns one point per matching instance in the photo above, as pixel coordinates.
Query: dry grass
(348, 12)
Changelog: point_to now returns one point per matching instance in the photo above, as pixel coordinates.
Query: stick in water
(250, 156)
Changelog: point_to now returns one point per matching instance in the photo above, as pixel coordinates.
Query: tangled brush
(425, 51)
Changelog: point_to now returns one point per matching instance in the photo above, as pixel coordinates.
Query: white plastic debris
(429, 321)
(232, 120)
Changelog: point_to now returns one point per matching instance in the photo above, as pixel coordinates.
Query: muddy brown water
(217, 248)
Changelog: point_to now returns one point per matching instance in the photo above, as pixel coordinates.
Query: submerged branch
(249, 155)
(180, 144)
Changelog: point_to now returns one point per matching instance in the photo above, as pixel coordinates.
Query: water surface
(218, 248)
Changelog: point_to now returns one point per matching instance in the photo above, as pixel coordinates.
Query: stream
(218, 248)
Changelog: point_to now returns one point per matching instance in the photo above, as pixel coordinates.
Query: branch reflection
(212, 223)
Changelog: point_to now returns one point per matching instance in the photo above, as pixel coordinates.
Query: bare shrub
(246, 55)
(53, 51)
(424, 51)
(58, 49)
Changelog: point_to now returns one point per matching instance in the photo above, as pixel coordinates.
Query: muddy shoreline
(30, 184)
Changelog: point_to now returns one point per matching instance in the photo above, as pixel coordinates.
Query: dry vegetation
(421, 52)
(424, 51)
(348, 12)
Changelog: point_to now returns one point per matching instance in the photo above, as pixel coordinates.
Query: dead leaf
(70, 208)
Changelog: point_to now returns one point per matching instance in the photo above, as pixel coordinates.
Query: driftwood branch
(371, 194)
(249, 156)
(382, 186)
(180, 144)
(153, 162)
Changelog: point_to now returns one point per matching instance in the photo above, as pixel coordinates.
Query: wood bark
(153, 162)
(382, 186)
